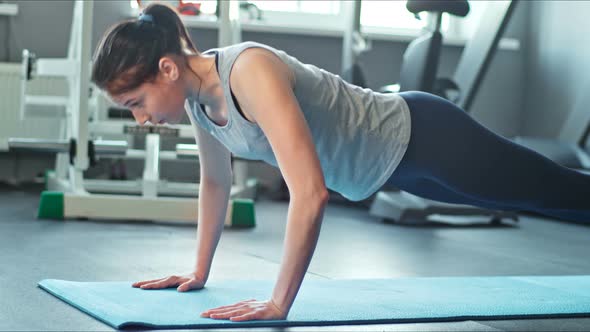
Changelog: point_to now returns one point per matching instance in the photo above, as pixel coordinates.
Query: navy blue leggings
(453, 158)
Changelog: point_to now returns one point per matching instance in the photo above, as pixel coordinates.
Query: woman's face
(160, 101)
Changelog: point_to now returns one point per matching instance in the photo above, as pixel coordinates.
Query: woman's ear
(168, 69)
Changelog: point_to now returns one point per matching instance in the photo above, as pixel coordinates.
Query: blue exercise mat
(336, 302)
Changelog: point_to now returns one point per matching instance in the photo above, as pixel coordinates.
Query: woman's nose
(141, 118)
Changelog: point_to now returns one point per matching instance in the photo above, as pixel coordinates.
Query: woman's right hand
(183, 283)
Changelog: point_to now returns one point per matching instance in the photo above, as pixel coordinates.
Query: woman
(260, 103)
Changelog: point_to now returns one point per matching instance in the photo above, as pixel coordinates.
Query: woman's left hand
(246, 310)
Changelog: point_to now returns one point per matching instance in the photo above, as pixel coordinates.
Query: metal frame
(354, 43)
(129, 200)
(479, 51)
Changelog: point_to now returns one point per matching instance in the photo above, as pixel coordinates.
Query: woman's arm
(215, 186)
(262, 84)
(214, 190)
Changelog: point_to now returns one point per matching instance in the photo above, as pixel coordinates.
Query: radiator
(10, 124)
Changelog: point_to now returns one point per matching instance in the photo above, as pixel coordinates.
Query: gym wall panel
(557, 68)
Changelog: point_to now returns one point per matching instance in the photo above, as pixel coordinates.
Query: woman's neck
(203, 82)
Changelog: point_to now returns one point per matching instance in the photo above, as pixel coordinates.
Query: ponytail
(168, 18)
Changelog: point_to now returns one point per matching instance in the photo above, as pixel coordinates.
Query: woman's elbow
(317, 197)
(323, 197)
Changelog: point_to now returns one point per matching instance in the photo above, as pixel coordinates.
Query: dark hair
(129, 52)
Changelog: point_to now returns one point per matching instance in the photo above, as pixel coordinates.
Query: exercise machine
(69, 194)
(569, 148)
(421, 58)
(478, 53)
(403, 207)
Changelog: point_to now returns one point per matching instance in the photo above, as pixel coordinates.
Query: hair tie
(146, 18)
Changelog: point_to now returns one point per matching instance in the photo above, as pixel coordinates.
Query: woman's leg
(471, 163)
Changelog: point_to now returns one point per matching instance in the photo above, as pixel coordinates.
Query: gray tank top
(360, 135)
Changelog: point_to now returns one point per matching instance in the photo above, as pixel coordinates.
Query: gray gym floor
(352, 245)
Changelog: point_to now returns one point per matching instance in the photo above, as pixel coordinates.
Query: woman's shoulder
(251, 52)
(248, 58)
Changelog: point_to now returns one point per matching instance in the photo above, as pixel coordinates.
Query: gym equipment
(359, 301)
(569, 148)
(403, 207)
(83, 124)
(353, 44)
(60, 146)
(478, 54)
(58, 205)
(421, 58)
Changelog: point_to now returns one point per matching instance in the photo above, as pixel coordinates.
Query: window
(374, 13)
(207, 7)
(303, 6)
(390, 14)
(325, 15)
(377, 16)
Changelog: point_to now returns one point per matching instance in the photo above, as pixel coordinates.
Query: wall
(558, 56)
(44, 26)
